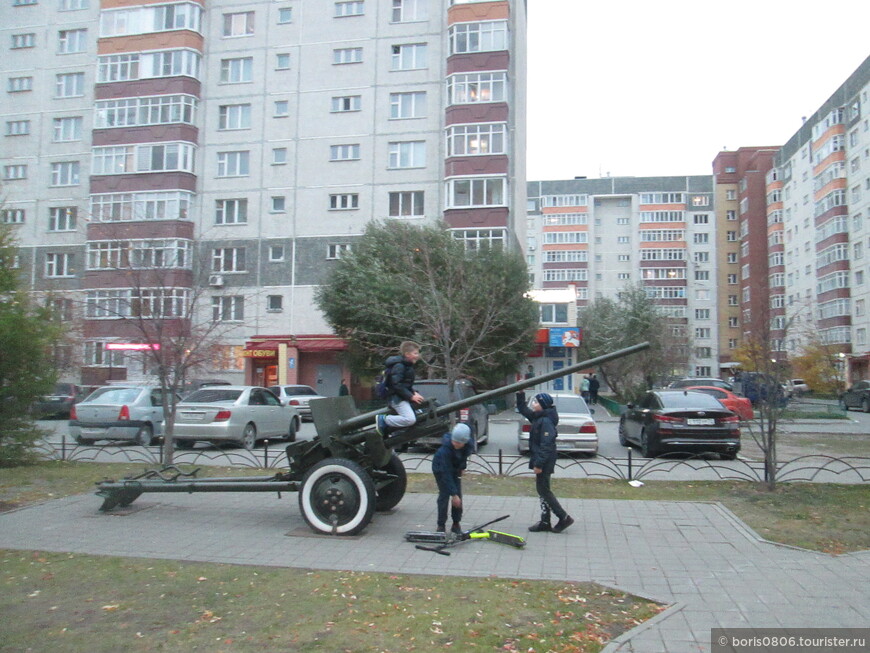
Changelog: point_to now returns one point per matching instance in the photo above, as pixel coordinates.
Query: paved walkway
(697, 557)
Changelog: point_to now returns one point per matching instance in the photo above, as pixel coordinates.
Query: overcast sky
(635, 88)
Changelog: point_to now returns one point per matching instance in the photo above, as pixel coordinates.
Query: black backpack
(384, 388)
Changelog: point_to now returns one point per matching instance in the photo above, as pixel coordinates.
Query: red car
(739, 404)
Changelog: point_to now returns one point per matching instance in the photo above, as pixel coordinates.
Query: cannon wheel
(390, 495)
(337, 497)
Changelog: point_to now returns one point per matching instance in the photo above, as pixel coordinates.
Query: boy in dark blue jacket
(542, 458)
(447, 466)
(400, 385)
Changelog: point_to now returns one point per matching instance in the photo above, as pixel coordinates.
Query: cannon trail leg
(337, 497)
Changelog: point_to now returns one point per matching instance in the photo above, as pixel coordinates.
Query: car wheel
(729, 456)
(144, 435)
(623, 438)
(843, 405)
(294, 428)
(485, 431)
(249, 436)
(865, 405)
(83, 441)
(184, 444)
(646, 449)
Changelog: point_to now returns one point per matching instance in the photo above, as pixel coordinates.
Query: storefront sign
(564, 337)
(132, 346)
(258, 353)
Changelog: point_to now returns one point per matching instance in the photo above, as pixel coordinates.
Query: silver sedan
(577, 430)
(239, 414)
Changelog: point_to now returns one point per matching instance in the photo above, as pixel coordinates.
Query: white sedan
(239, 414)
(577, 430)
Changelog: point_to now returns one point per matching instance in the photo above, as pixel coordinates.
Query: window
(228, 309)
(278, 204)
(282, 109)
(279, 156)
(276, 253)
(466, 193)
(733, 322)
(700, 200)
(234, 211)
(336, 250)
(406, 11)
(65, 173)
(154, 205)
(274, 303)
(407, 105)
(233, 164)
(553, 313)
(701, 257)
(67, 129)
(12, 216)
(702, 313)
(69, 85)
(470, 88)
(343, 201)
(235, 116)
(163, 17)
(732, 279)
(478, 37)
(237, 71)
(344, 103)
(347, 55)
(62, 218)
(285, 15)
(282, 61)
(701, 239)
(411, 56)
(730, 215)
(351, 8)
(20, 3)
(71, 40)
(347, 152)
(23, 40)
(163, 157)
(17, 127)
(407, 154)
(14, 171)
(228, 259)
(701, 218)
(406, 204)
(118, 68)
(702, 275)
(702, 332)
(465, 140)
(58, 265)
(72, 5)
(732, 257)
(239, 24)
(19, 84)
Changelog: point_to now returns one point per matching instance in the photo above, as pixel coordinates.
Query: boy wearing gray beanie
(447, 465)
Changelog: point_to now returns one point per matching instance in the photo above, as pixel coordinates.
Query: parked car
(240, 414)
(700, 380)
(119, 412)
(796, 387)
(577, 430)
(731, 400)
(297, 396)
(59, 402)
(857, 396)
(680, 420)
(476, 416)
(192, 385)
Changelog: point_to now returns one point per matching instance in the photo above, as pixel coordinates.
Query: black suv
(476, 416)
(857, 396)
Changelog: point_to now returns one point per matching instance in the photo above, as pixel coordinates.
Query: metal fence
(675, 467)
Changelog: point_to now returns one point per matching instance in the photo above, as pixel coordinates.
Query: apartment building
(602, 235)
(228, 152)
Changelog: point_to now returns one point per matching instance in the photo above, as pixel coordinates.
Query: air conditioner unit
(216, 280)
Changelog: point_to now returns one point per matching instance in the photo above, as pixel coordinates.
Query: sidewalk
(698, 558)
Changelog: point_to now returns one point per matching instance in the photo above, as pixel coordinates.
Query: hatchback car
(239, 414)
(857, 396)
(680, 421)
(59, 402)
(115, 412)
(297, 396)
(577, 432)
(731, 400)
(699, 380)
(476, 416)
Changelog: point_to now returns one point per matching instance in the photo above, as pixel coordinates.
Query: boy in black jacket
(447, 465)
(401, 387)
(542, 458)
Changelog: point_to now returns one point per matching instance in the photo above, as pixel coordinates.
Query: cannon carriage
(348, 471)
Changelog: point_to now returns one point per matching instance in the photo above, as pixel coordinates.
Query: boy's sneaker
(563, 523)
(540, 527)
(456, 528)
(381, 425)
(440, 528)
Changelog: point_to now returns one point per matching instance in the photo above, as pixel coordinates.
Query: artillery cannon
(348, 471)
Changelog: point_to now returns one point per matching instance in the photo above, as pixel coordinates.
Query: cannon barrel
(366, 419)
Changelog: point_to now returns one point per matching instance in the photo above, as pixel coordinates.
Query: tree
(633, 317)
(818, 366)
(468, 309)
(27, 338)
